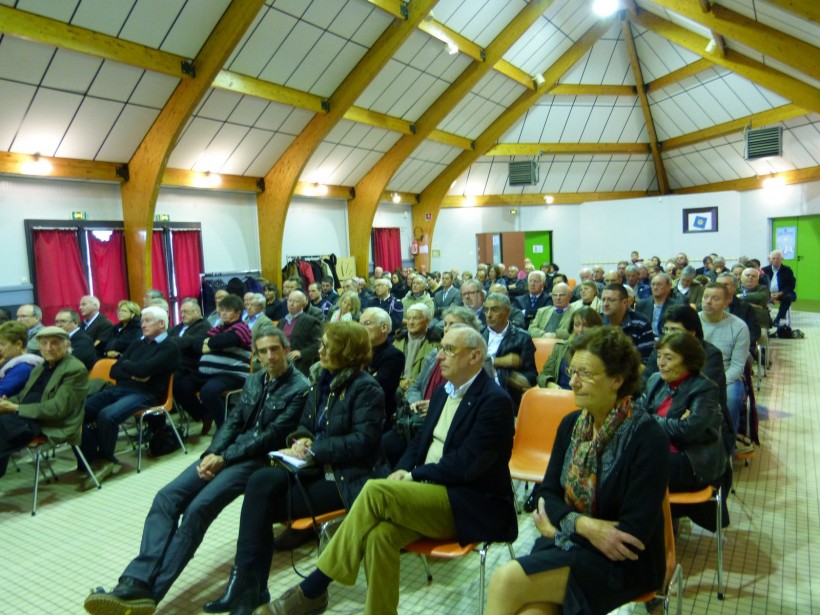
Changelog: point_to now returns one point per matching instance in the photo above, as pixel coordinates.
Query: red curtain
(109, 276)
(387, 248)
(187, 252)
(58, 268)
(159, 270)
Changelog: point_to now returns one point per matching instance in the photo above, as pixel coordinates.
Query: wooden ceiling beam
(65, 168)
(250, 86)
(799, 92)
(147, 165)
(698, 66)
(46, 31)
(394, 8)
(515, 73)
(451, 37)
(426, 213)
(184, 178)
(569, 89)
(559, 198)
(756, 120)
(807, 9)
(791, 51)
(797, 176)
(660, 172)
(533, 149)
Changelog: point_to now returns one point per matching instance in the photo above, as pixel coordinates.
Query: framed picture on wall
(700, 220)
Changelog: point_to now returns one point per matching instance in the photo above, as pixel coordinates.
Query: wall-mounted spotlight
(605, 8)
(396, 198)
(549, 199)
(36, 166)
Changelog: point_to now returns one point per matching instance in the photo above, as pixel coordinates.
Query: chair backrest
(102, 370)
(543, 350)
(539, 415)
(669, 542)
(572, 282)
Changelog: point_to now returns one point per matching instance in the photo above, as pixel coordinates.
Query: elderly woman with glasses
(338, 439)
(126, 331)
(599, 505)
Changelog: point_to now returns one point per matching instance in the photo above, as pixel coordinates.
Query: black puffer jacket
(351, 444)
(699, 435)
(238, 441)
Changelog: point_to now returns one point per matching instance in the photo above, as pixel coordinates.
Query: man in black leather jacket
(269, 409)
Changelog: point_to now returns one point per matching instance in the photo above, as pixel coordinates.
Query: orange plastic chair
(572, 283)
(541, 411)
(674, 572)
(543, 350)
(708, 494)
(165, 409)
(321, 523)
(102, 370)
(449, 549)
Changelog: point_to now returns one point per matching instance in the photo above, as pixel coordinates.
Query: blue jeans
(104, 411)
(734, 401)
(168, 545)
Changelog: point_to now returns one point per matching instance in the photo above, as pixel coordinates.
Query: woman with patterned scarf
(599, 505)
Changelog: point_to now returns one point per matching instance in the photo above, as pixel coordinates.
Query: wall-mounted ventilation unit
(524, 173)
(764, 142)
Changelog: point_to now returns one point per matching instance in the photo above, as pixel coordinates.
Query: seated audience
(387, 362)
(588, 296)
(16, 364)
(318, 301)
(126, 331)
(255, 316)
(224, 365)
(435, 490)
(399, 289)
(273, 304)
(81, 345)
(328, 292)
(615, 311)
(652, 308)
(688, 290)
(150, 296)
(95, 324)
(142, 373)
(213, 317)
(415, 342)
(50, 403)
(445, 296)
(755, 294)
(782, 285)
(338, 436)
(472, 297)
(554, 374)
(599, 506)
(188, 336)
(32, 317)
(384, 300)
(686, 405)
(303, 330)
(554, 320)
(510, 348)
(418, 294)
(347, 309)
(741, 309)
(515, 285)
(516, 315)
(535, 299)
(269, 408)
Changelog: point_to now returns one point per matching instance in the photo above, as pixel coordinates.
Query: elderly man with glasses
(554, 320)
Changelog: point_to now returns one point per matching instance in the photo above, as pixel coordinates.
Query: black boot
(238, 583)
(248, 599)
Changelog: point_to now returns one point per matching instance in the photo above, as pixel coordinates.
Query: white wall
(391, 215)
(315, 227)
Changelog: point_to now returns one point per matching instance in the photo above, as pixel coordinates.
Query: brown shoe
(294, 602)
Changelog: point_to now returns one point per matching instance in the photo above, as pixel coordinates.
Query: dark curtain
(187, 252)
(159, 268)
(387, 248)
(58, 268)
(108, 270)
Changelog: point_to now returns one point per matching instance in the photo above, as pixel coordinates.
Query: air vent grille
(764, 142)
(524, 173)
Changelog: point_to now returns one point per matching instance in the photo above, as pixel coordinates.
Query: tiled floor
(81, 540)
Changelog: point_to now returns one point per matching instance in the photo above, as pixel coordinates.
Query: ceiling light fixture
(207, 180)
(469, 200)
(774, 182)
(549, 199)
(452, 48)
(320, 189)
(36, 166)
(711, 45)
(605, 8)
(396, 198)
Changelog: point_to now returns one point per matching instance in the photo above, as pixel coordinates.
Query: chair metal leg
(36, 481)
(426, 569)
(139, 445)
(511, 549)
(78, 451)
(719, 537)
(482, 554)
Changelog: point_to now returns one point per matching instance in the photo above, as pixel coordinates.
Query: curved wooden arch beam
(146, 167)
(426, 212)
(280, 182)
(362, 207)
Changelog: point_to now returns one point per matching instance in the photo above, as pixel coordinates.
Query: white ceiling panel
(220, 149)
(576, 124)
(218, 105)
(572, 18)
(787, 22)
(131, 127)
(274, 116)
(89, 128)
(46, 121)
(358, 171)
(323, 163)
(321, 13)
(71, 72)
(192, 27)
(246, 151)
(530, 127)
(296, 121)
(148, 22)
(539, 46)
(23, 61)
(340, 66)
(399, 90)
(290, 53)
(255, 52)
(154, 90)
(192, 142)
(348, 21)
(432, 89)
(15, 99)
(658, 55)
(115, 81)
(593, 175)
(372, 28)
(386, 76)
(307, 75)
(248, 111)
(625, 119)
(272, 151)
(498, 89)
(61, 11)
(671, 120)
(295, 8)
(802, 145)
(102, 15)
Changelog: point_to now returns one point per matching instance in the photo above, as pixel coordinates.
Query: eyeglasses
(584, 375)
(62, 321)
(470, 293)
(559, 294)
(452, 351)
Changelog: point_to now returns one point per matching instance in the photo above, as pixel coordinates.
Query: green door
(806, 261)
